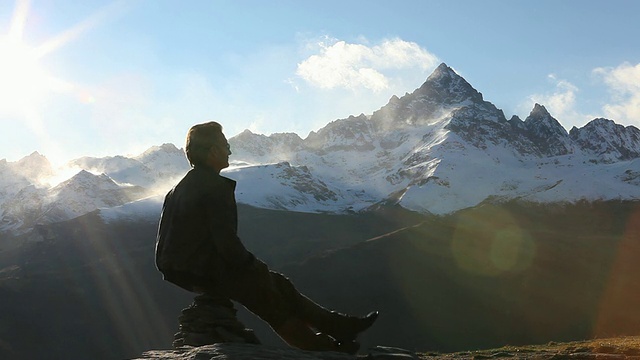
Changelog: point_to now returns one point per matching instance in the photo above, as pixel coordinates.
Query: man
(199, 250)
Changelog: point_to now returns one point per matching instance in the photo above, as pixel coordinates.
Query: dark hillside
(481, 278)
(85, 289)
(491, 275)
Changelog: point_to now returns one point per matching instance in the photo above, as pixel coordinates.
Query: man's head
(207, 146)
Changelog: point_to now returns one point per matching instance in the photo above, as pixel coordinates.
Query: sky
(106, 78)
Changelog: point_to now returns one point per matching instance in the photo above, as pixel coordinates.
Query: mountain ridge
(439, 125)
(420, 151)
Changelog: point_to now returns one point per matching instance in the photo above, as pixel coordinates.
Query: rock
(240, 351)
(385, 352)
(211, 320)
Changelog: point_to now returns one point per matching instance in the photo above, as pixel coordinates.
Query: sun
(23, 81)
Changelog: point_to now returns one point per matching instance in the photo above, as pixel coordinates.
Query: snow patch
(148, 208)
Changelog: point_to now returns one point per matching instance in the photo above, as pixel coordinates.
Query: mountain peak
(166, 147)
(82, 175)
(540, 117)
(443, 70)
(246, 135)
(443, 73)
(443, 90)
(602, 122)
(34, 158)
(608, 140)
(445, 86)
(547, 132)
(33, 167)
(85, 179)
(539, 111)
(160, 153)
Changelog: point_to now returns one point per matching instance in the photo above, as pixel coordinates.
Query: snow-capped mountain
(82, 193)
(34, 167)
(27, 199)
(155, 167)
(10, 181)
(285, 187)
(436, 150)
(443, 148)
(607, 140)
(14, 176)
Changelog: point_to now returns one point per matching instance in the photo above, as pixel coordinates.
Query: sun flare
(22, 79)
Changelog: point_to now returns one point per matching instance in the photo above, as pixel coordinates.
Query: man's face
(219, 153)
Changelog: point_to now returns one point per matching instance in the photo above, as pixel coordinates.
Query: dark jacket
(197, 238)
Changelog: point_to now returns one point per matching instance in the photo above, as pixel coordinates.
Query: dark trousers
(269, 295)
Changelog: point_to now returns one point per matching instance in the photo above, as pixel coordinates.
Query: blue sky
(101, 78)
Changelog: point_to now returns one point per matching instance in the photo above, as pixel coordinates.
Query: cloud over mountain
(624, 84)
(339, 64)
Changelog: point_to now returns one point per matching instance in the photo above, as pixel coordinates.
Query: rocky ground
(612, 349)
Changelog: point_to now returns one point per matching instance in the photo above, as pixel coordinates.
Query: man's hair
(200, 139)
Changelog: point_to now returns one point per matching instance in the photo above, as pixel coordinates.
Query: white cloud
(339, 64)
(624, 85)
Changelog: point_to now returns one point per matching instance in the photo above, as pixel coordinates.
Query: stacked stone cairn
(211, 320)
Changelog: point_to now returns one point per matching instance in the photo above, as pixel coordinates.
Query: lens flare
(622, 290)
(491, 243)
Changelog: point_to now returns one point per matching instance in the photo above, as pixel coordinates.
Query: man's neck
(208, 168)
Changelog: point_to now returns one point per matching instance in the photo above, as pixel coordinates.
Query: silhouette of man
(199, 250)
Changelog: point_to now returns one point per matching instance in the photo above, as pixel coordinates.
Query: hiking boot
(345, 328)
(359, 324)
(297, 334)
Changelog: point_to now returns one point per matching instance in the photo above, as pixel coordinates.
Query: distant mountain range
(436, 150)
(27, 198)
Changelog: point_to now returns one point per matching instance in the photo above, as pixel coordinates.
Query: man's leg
(257, 289)
(342, 327)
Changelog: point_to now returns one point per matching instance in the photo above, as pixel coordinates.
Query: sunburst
(24, 81)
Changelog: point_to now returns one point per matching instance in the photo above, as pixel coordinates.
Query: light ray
(18, 20)
(100, 16)
(24, 81)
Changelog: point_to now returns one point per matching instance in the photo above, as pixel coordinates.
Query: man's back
(197, 236)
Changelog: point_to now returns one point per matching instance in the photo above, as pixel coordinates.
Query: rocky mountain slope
(443, 148)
